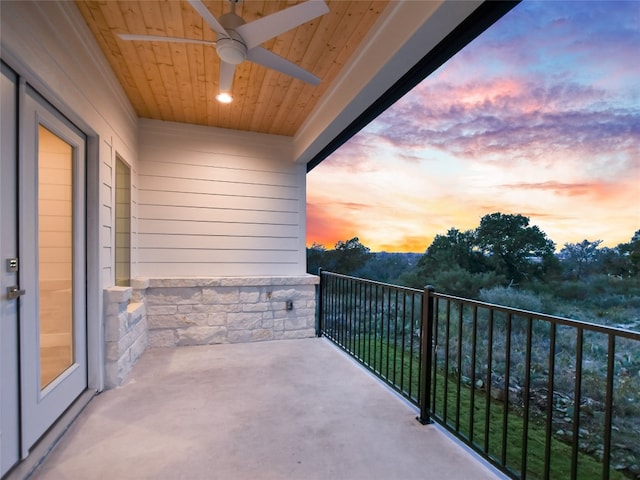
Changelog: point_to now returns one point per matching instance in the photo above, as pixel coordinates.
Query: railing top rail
(594, 327)
(371, 282)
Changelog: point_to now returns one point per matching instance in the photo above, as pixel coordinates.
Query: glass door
(53, 350)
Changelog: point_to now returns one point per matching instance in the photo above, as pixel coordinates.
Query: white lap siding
(216, 202)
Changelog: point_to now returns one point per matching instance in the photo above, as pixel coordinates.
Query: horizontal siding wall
(215, 202)
(106, 214)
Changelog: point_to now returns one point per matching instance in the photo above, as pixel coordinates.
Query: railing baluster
(459, 358)
(326, 311)
(319, 303)
(329, 310)
(362, 312)
(359, 322)
(340, 306)
(474, 347)
(577, 396)
(362, 315)
(339, 312)
(447, 328)
(423, 400)
(375, 330)
(402, 351)
(411, 330)
(345, 319)
(357, 318)
(336, 309)
(347, 323)
(507, 380)
(608, 407)
(352, 312)
(345, 311)
(433, 372)
(487, 414)
(550, 386)
(352, 317)
(369, 318)
(334, 318)
(388, 331)
(526, 399)
(363, 320)
(382, 330)
(395, 338)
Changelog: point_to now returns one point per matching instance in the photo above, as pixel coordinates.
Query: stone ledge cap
(172, 282)
(117, 294)
(139, 283)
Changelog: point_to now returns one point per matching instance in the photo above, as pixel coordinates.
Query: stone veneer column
(203, 311)
(125, 333)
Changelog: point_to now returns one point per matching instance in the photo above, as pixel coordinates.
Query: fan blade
(157, 38)
(265, 28)
(269, 59)
(208, 17)
(227, 71)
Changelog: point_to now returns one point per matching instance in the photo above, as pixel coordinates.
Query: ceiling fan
(238, 41)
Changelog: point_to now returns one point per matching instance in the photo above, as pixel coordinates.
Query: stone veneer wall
(204, 311)
(125, 332)
(170, 312)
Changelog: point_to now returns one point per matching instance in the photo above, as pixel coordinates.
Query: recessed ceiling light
(224, 97)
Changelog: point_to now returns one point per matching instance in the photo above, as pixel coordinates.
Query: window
(123, 223)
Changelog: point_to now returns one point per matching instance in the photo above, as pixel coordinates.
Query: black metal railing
(538, 396)
(378, 324)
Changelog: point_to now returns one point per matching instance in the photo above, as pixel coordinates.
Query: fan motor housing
(231, 49)
(231, 20)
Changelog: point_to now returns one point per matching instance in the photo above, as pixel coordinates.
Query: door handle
(14, 292)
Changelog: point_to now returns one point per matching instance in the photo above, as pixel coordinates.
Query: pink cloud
(597, 191)
(511, 119)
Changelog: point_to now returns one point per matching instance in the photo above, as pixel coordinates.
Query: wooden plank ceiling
(178, 82)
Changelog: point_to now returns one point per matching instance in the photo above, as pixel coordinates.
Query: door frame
(42, 406)
(95, 149)
(97, 152)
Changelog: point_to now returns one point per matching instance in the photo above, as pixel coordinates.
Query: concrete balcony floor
(292, 409)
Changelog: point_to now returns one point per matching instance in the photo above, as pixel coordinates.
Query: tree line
(505, 251)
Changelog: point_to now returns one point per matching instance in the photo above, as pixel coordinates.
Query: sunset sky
(540, 116)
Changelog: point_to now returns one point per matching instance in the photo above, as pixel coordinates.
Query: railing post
(320, 301)
(426, 357)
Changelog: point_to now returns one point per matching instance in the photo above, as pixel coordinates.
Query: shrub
(457, 281)
(510, 297)
(571, 290)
